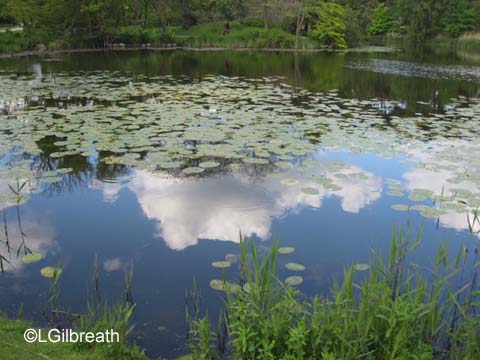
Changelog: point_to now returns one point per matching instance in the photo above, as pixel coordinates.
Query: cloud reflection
(188, 209)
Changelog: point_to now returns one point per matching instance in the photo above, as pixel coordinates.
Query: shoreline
(366, 50)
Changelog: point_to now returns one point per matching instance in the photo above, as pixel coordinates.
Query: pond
(157, 161)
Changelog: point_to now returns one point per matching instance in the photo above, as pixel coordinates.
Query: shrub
(382, 20)
(330, 28)
(135, 35)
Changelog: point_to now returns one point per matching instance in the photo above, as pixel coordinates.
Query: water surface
(157, 160)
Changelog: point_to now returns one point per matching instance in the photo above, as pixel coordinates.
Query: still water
(156, 161)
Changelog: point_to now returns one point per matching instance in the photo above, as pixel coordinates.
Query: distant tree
(330, 28)
(459, 17)
(354, 33)
(300, 6)
(187, 16)
(227, 9)
(382, 20)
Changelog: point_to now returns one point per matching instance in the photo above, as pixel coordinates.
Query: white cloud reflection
(38, 235)
(188, 209)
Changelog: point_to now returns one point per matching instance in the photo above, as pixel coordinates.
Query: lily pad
(289, 182)
(193, 170)
(231, 258)
(400, 207)
(222, 285)
(310, 191)
(64, 170)
(395, 193)
(209, 164)
(361, 267)
(32, 258)
(286, 250)
(295, 267)
(51, 180)
(221, 264)
(49, 271)
(420, 195)
(293, 280)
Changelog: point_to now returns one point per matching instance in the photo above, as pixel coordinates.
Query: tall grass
(402, 311)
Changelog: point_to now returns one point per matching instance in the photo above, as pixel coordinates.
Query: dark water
(392, 126)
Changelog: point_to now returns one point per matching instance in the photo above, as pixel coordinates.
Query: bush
(21, 41)
(135, 35)
(382, 20)
(241, 36)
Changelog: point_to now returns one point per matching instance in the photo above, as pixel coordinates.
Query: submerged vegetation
(400, 311)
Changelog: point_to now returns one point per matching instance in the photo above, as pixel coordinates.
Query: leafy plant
(401, 311)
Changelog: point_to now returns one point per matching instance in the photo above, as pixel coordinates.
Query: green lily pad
(289, 182)
(420, 195)
(193, 170)
(395, 193)
(221, 264)
(256, 161)
(209, 164)
(49, 173)
(286, 250)
(51, 180)
(310, 191)
(64, 170)
(361, 267)
(222, 285)
(431, 213)
(32, 258)
(49, 271)
(293, 280)
(400, 207)
(295, 267)
(231, 258)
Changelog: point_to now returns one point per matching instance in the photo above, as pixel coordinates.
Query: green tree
(382, 20)
(330, 28)
(459, 17)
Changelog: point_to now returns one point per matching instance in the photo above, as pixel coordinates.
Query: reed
(402, 311)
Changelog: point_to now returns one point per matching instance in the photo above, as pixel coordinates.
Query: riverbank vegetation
(399, 311)
(99, 317)
(13, 346)
(55, 24)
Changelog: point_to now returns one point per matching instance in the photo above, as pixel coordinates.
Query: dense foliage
(334, 23)
(398, 311)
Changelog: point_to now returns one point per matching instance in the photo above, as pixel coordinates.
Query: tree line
(337, 23)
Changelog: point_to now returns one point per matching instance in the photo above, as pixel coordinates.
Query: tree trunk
(300, 21)
(187, 16)
(265, 14)
(145, 13)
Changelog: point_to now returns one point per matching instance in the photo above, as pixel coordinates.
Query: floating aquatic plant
(293, 280)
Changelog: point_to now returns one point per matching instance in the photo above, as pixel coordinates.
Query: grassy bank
(243, 34)
(13, 346)
(401, 311)
(99, 317)
(210, 35)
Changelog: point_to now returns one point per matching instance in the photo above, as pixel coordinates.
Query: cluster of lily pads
(230, 259)
(186, 127)
(47, 271)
